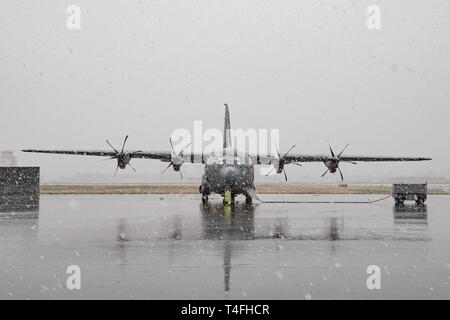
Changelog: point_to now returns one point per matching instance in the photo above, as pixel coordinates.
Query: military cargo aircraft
(230, 172)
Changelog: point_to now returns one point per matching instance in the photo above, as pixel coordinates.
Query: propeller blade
(117, 168)
(170, 164)
(270, 171)
(343, 150)
(112, 146)
(171, 145)
(124, 141)
(132, 167)
(325, 172)
(285, 175)
(288, 151)
(350, 162)
(297, 164)
(109, 158)
(278, 151)
(342, 176)
(181, 152)
(181, 175)
(331, 150)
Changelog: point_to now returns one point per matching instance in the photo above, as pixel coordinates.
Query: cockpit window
(231, 159)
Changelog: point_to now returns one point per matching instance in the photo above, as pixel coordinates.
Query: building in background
(7, 159)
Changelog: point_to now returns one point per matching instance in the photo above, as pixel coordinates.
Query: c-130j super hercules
(232, 172)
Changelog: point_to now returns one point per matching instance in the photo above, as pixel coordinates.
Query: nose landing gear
(228, 197)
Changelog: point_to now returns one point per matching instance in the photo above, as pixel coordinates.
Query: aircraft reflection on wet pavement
(172, 247)
(232, 224)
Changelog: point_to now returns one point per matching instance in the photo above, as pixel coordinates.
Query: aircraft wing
(322, 158)
(159, 155)
(370, 158)
(166, 156)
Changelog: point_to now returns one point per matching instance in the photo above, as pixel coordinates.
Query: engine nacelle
(332, 165)
(177, 161)
(123, 160)
(278, 165)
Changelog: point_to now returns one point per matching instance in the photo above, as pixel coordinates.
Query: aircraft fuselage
(238, 178)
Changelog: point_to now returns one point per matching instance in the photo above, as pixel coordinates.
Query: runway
(172, 247)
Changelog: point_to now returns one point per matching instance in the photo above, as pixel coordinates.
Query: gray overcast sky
(144, 68)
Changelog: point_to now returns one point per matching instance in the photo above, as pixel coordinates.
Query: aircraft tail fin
(227, 129)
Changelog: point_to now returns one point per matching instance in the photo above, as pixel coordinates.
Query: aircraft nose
(228, 174)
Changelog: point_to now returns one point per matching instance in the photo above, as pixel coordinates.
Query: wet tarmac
(172, 247)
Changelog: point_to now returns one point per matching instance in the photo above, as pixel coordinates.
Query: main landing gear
(204, 190)
(228, 196)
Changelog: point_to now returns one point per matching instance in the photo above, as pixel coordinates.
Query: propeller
(333, 163)
(281, 162)
(123, 158)
(177, 159)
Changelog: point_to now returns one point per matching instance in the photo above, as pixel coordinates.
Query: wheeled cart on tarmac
(409, 191)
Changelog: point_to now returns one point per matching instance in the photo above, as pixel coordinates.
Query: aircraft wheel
(420, 201)
(228, 197)
(399, 200)
(228, 202)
